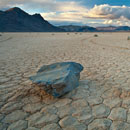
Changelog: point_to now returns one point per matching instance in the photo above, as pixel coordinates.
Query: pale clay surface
(102, 100)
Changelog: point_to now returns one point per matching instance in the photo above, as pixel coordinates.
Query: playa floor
(102, 100)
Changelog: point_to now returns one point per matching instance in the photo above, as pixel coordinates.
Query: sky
(76, 12)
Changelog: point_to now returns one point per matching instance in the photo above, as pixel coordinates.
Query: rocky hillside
(16, 20)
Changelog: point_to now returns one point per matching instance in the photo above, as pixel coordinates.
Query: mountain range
(72, 28)
(113, 28)
(17, 20)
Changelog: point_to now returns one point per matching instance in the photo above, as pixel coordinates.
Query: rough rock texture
(119, 114)
(119, 125)
(100, 124)
(14, 116)
(101, 111)
(19, 125)
(58, 78)
(52, 126)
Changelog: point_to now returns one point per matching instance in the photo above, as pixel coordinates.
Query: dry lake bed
(102, 100)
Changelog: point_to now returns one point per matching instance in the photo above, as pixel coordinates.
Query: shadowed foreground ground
(102, 100)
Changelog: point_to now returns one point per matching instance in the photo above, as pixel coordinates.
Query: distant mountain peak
(17, 9)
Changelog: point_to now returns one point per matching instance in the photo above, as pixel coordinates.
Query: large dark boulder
(58, 78)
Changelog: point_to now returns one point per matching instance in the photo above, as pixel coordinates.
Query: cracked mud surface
(102, 100)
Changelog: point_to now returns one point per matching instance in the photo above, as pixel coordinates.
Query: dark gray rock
(128, 38)
(58, 78)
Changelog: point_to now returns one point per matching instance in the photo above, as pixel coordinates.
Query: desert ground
(102, 100)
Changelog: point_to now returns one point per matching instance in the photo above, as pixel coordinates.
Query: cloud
(72, 11)
(46, 5)
(50, 9)
(117, 22)
(109, 12)
(101, 14)
(65, 16)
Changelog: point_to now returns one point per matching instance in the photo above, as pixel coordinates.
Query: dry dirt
(102, 100)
